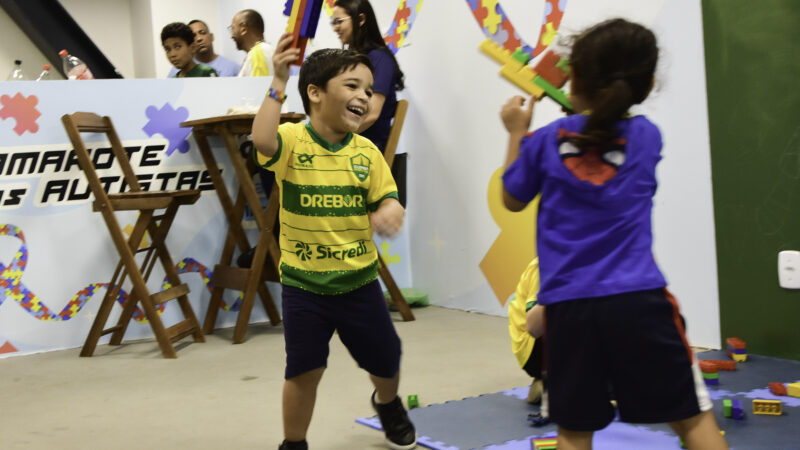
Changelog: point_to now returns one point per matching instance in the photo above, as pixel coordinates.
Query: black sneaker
(400, 433)
(286, 445)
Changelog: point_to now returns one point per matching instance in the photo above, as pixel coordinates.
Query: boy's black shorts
(633, 343)
(362, 319)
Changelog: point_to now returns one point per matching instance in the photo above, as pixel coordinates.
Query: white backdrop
(456, 142)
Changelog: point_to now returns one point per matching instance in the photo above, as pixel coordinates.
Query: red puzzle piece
(23, 110)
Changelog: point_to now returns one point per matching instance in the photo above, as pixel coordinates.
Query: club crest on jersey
(360, 165)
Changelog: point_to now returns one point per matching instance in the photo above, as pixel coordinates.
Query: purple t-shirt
(385, 77)
(592, 240)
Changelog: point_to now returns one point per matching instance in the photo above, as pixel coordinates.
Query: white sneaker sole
(394, 446)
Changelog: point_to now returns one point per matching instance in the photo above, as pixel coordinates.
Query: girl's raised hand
(284, 57)
(516, 118)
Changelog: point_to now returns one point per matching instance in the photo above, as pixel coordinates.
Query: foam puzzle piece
(166, 122)
(23, 110)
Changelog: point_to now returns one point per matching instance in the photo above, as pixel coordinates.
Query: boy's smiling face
(344, 102)
(179, 53)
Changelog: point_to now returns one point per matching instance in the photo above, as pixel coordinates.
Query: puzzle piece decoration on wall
(8, 347)
(549, 75)
(498, 27)
(166, 122)
(11, 286)
(395, 37)
(388, 258)
(23, 110)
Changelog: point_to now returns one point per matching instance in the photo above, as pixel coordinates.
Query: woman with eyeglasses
(355, 24)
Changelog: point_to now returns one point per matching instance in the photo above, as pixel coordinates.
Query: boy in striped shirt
(336, 189)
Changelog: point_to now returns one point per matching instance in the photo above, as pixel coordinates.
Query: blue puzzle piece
(166, 122)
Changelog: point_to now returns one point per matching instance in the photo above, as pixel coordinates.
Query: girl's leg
(700, 431)
(574, 440)
(299, 396)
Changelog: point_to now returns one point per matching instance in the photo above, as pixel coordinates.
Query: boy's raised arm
(265, 124)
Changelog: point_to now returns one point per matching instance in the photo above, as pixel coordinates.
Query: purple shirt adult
(384, 80)
(592, 240)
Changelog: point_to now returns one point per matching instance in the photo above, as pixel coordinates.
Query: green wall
(752, 51)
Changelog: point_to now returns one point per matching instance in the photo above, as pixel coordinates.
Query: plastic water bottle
(17, 74)
(74, 67)
(45, 73)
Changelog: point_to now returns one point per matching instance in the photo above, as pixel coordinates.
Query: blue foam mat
(499, 421)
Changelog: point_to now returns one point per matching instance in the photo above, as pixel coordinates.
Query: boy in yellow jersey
(526, 326)
(336, 189)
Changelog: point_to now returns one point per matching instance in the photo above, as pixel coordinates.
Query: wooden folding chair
(156, 225)
(388, 154)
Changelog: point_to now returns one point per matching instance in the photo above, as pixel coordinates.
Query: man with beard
(247, 30)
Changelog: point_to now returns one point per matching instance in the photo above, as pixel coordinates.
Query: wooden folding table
(226, 276)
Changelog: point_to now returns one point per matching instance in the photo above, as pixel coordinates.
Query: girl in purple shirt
(611, 328)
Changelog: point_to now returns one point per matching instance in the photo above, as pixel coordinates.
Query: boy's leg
(385, 388)
(299, 395)
(574, 440)
(307, 329)
(366, 329)
(700, 431)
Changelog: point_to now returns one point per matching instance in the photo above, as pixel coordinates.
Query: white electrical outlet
(789, 269)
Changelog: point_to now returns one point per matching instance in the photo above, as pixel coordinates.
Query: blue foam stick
(287, 8)
(308, 29)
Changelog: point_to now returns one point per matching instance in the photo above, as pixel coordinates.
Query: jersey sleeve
(381, 185)
(523, 179)
(279, 162)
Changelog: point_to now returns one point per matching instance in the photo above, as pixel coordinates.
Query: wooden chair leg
(100, 320)
(250, 290)
(225, 260)
(125, 318)
(394, 291)
(159, 234)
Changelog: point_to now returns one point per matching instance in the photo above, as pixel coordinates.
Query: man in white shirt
(247, 30)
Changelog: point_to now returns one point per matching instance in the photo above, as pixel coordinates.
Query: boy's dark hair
(613, 64)
(177, 30)
(368, 37)
(325, 64)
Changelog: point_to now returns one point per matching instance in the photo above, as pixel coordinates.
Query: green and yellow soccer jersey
(524, 299)
(327, 191)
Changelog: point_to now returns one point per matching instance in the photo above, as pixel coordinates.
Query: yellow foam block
(522, 76)
(293, 17)
(770, 407)
(793, 389)
(497, 53)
